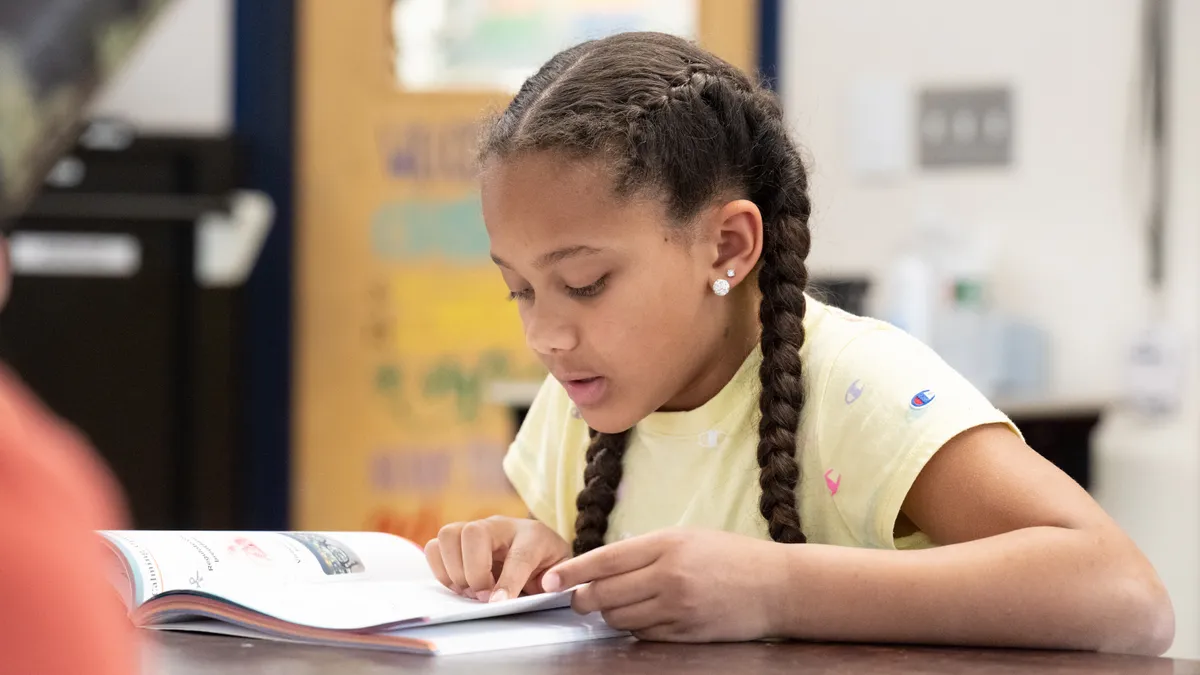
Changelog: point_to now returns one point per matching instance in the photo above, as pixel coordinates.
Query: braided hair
(678, 123)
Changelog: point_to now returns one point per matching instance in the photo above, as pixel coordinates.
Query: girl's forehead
(547, 198)
(547, 177)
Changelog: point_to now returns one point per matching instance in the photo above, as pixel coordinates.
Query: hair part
(674, 122)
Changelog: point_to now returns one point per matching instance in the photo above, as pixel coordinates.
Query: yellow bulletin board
(401, 319)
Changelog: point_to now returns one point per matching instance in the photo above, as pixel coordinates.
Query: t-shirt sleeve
(542, 460)
(889, 403)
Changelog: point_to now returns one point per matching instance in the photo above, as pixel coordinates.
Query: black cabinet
(108, 325)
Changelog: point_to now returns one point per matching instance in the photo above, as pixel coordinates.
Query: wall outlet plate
(964, 127)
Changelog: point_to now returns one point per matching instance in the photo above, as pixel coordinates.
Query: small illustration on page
(334, 556)
(246, 547)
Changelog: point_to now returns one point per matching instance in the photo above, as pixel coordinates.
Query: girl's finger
(611, 593)
(433, 555)
(616, 558)
(525, 558)
(449, 541)
(638, 617)
(477, 547)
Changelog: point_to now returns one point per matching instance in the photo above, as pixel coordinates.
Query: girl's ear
(737, 231)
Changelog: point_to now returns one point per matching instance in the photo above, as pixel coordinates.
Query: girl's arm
(1028, 559)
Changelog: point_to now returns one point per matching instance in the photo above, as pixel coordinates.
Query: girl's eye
(589, 290)
(521, 295)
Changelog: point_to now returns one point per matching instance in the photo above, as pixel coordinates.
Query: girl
(705, 417)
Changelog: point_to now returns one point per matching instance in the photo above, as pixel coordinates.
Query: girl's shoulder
(880, 404)
(843, 354)
(828, 330)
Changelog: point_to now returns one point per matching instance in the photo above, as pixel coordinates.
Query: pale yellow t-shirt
(879, 405)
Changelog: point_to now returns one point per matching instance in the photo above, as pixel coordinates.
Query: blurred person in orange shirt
(61, 614)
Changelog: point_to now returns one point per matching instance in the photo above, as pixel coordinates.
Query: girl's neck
(739, 339)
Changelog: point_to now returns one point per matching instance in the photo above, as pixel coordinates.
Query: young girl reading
(718, 456)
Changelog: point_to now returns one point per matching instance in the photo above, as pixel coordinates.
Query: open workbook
(354, 589)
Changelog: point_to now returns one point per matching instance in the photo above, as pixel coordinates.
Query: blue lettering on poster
(422, 228)
(421, 151)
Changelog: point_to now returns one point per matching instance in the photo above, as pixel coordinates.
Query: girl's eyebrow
(555, 256)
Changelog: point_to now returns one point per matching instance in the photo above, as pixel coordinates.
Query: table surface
(191, 654)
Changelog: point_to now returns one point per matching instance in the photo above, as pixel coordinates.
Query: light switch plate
(964, 127)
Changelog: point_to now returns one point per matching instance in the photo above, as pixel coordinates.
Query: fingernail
(483, 596)
(551, 582)
(469, 593)
(457, 590)
(500, 595)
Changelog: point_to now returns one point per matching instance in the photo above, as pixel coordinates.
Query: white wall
(1149, 471)
(1072, 254)
(1070, 66)
(180, 78)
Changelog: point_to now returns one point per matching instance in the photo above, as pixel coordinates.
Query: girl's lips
(586, 392)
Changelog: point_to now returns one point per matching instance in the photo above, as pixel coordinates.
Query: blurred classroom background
(259, 280)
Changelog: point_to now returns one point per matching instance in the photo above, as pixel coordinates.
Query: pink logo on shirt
(832, 484)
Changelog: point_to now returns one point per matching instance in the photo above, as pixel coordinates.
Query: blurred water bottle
(970, 335)
(912, 284)
(1024, 362)
(909, 288)
(968, 332)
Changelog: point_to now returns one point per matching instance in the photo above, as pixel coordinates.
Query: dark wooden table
(188, 654)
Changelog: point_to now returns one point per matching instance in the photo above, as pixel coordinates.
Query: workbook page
(162, 561)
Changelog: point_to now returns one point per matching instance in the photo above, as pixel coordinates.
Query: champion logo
(833, 481)
(921, 399)
(854, 391)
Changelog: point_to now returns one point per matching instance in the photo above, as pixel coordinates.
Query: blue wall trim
(768, 41)
(264, 103)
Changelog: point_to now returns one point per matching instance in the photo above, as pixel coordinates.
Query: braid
(756, 146)
(677, 123)
(601, 478)
(780, 191)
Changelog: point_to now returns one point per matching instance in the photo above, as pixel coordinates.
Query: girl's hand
(679, 585)
(469, 557)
